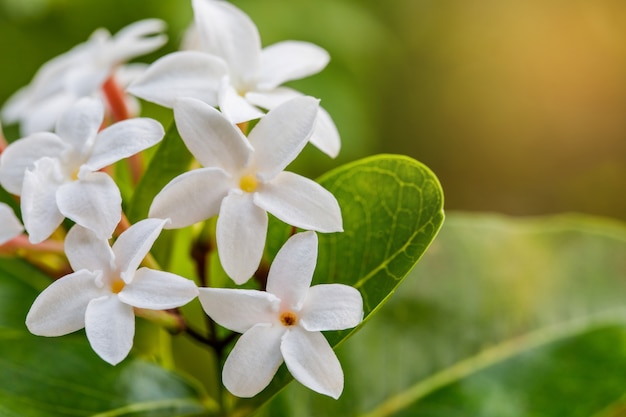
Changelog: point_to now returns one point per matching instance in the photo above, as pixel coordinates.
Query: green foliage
(502, 317)
(171, 159)
(60, 377)
(392, 210)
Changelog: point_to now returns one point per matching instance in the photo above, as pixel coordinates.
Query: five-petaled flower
(284, 323)
(100, 295)
(231, 71)
(243, 179)
(82, 72)
(57, 175)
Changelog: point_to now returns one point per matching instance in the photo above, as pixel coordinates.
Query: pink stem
(3, 141)
(21, 242)
(117, 102)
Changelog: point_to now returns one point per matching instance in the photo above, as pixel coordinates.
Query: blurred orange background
(519, 106)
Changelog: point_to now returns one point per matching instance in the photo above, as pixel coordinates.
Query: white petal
(331, 307)
(235, 107)
(210, 137)
(44, 114)
(191, 197)
(254, 360)
(110, 327)
(181, 74)
(290, 60)
(300, 202)
(126, 74)
(84, 81)
(40, 211)
(241, 231)
(46, 87)
(60, 308)
(191, 39)
(135, 40)
(229, 33)
(17, 104)
(10, 225)
(312, 362)
(22, 154)
(325, 135)
(141, 28)
(124, 139)
(85, 250)
(158, 290)
(93, 201)
(49, 77)
(79, 125)
(291, 272)
(280, 136)
(239, 310)
(134, 244)
(273, 98)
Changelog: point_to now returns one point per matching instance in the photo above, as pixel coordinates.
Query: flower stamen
(288, 318)
(117, 285)
(248, 183)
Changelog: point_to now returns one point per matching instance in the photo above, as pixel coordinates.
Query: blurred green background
(519, 106)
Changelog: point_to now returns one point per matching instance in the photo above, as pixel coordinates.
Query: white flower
(285, 323)
(233, 72)
(243, 179)
(101, 294)
(57, 175)
(10, 225)
(80, 72)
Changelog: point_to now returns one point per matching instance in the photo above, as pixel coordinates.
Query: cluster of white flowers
(225, 81)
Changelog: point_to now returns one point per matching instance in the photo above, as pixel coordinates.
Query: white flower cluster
(227, 80)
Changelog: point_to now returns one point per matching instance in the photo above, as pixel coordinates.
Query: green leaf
(171, 159)
(392, 208)
(503, 317)
(61, 377)
(562, 369)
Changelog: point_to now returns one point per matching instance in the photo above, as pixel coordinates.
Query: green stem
(171, 320)
(48, 256)
(200, 252)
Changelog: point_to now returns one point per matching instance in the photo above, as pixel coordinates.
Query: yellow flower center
(288, 318)
(248, 183)
(117, 285)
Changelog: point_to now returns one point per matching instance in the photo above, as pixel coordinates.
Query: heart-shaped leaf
(392, 209)
(502, 317)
